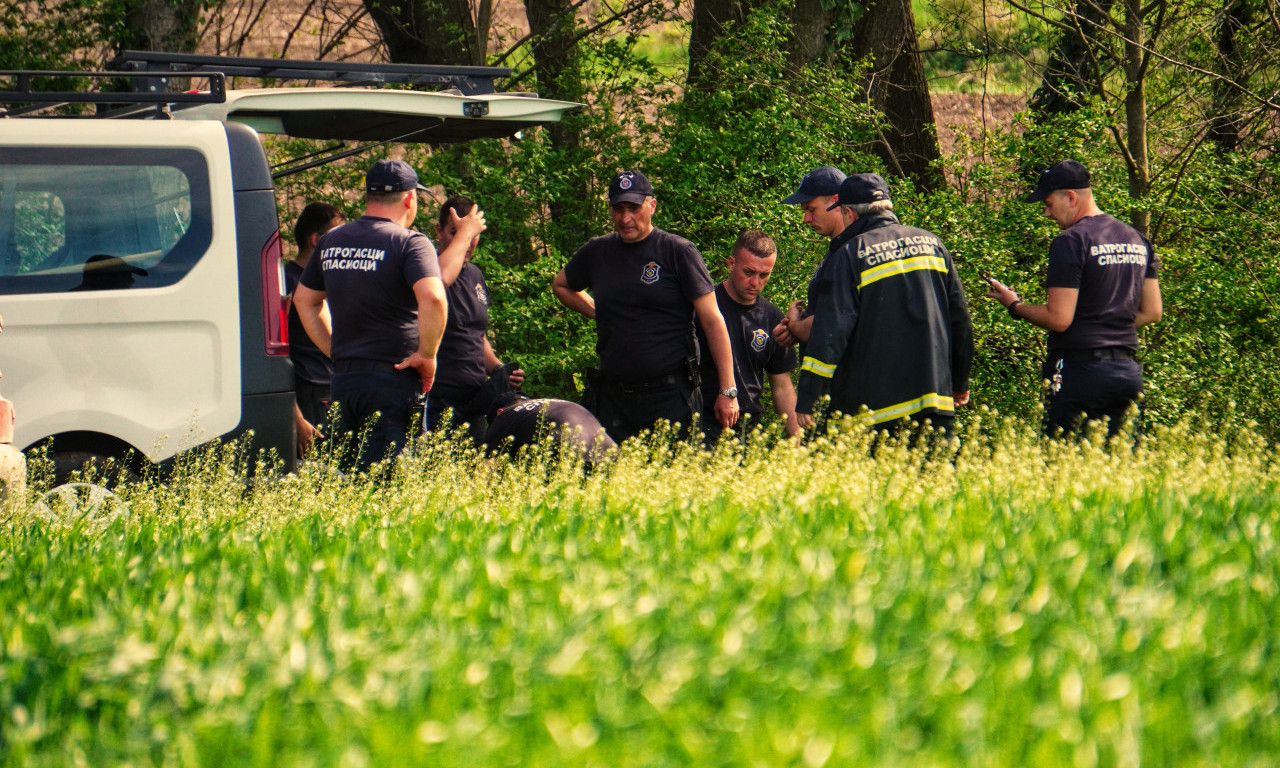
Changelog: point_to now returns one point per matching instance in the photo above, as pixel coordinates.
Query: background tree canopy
(726, 104)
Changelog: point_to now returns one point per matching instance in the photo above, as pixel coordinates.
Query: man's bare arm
(579, 301)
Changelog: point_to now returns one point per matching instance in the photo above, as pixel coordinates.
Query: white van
(140, 271)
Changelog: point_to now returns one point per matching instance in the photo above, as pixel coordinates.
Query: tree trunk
(807, 43)
(428, 31)
(552, 25)
(896, 87)
(1227, 124)
(1135, 110)
(1073, 74)
(161, 25)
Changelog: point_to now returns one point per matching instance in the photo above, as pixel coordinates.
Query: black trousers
(314, 401)
(1081, 391)
(625, 410)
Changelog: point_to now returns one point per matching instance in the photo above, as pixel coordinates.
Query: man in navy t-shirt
(1102, 288)
(312, 369)
(516, 422)
(750, 319)
(647, 287)
(466, 359)
(388, 307)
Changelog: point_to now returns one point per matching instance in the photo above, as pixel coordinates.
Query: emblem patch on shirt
(759, 337)
(651, 273)
(481, 295)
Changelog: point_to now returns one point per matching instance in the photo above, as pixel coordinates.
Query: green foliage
(775, 605)
(733, 152)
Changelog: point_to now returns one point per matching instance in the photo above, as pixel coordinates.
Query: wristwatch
(731, 392)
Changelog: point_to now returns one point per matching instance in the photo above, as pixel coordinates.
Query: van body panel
(157, 367)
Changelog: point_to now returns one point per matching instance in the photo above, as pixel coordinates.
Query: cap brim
(628, 197)
(1037, 195)
(833, 206)
(421, 188)
(797, 198)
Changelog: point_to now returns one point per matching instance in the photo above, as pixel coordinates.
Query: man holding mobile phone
(1102, 288)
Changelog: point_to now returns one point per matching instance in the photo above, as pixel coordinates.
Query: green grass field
(1027, 604)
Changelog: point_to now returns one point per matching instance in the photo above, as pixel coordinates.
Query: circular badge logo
(759, 337)
(624, 182)
(651, 273)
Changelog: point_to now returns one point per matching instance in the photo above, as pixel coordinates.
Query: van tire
(66, 463)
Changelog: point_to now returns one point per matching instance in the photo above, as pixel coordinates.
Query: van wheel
(67, 463)
(72, 504)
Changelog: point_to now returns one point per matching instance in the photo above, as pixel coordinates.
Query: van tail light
(275, 307)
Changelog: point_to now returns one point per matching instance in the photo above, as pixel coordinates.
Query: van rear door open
(380, 115)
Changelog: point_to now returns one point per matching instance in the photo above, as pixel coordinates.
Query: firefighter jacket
(891, 329)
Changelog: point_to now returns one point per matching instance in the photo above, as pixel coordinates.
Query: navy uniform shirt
(644, 295)
(367, 268)
(460, 361)
(526, 422)
(755, 351)
(1107, 261)
(309, 363)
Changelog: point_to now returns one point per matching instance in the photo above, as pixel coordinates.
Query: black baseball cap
(822, 181)
(391, 176)
(860, 189)
(1064, 174)
(629, 187)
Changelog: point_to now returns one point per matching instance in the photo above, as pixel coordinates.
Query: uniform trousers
(381, 400)
(1085, 390)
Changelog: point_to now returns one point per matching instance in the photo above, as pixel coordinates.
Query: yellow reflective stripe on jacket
(901, 267)
(818, 368)
(931, 400)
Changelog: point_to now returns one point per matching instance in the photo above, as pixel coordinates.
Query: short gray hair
(863, 209)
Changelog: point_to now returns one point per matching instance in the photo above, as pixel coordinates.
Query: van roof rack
(469, 80)
(150, 74)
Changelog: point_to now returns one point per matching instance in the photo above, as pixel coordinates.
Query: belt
(355, 365)
(640, 386)
(1102, 353)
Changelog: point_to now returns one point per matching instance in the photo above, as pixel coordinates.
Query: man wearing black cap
(1102, 288)
(816, 195)
(388, 308)
(647, 286)
(891, 331)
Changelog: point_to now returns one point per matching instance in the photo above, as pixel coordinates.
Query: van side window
(100, 219)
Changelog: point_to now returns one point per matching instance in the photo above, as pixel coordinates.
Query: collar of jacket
(862, 224)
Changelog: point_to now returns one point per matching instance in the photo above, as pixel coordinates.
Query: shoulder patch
(481, 295)
(650, 274)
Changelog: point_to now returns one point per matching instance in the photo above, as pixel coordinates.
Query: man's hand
(782, 333)
(1000, 292)
(726, 411)
(960, 398)
(307, 433)
(425, 366)
(516, 378)
(470, 226)
(805, 420)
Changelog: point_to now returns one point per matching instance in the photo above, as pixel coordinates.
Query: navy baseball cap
(822, 181)
(629, 187)
(1064, 174)
(391, 176)
(860, 189)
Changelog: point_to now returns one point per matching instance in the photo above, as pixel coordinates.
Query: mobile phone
(985, 275)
